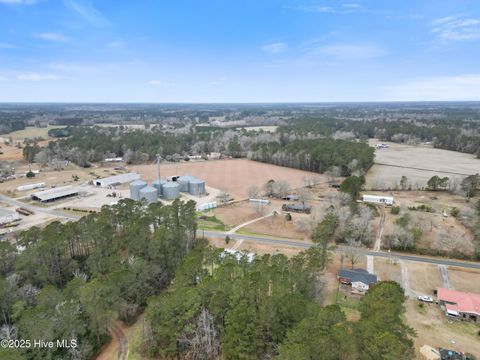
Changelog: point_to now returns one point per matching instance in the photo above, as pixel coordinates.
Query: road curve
(304, 245)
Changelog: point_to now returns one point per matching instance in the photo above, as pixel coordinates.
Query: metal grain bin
(196, 187)
(158, 184)
(183, 181)
(149, 193)
(171, 190)
(135, 187)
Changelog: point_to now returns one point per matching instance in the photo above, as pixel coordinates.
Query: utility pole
(159, 158)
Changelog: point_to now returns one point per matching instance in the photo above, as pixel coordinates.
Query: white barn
(378, 199)
(54, 194)
(117, 179)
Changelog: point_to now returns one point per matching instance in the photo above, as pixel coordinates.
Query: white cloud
(115, 44)
(275, 48)
(352, 6)
(161, 83)
(345, 8)
(18, 2)
(456, 28)
(440, 88)
(51, 36)
(86, 9)
(36, 77)
(348, 51)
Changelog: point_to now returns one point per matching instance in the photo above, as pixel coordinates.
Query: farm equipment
(24, 211)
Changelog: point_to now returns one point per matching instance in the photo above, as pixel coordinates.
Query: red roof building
(463, 305)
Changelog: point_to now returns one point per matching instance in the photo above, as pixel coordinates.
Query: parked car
(425, 298)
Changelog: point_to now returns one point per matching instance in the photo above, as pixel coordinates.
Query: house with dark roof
(461, 305)
(360, 280)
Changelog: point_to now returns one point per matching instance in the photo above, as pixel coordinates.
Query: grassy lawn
(252, 233)
(31, 132)
(206, 222)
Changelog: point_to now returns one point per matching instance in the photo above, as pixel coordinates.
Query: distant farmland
(418, 164)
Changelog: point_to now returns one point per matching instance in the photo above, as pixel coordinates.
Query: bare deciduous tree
(352, 252)
(204, 342)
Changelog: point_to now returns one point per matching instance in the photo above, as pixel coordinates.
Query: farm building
(115, 159)
(7, 216)
(360, 279)
(378, 199)
(461, 305)
(299, 208)
(54, 194)
(117, 180)
(30, 186)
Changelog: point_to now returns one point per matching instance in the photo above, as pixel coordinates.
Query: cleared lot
(232, 176)
(464, 280)
(418, 164)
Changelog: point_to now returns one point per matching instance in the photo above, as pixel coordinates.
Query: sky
(239, 50)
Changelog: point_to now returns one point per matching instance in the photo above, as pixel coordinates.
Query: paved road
(57, 213)
(305, 245)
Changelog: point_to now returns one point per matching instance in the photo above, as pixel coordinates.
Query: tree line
(70, 281)
(317, 155)
(451, 134)
(233, 307)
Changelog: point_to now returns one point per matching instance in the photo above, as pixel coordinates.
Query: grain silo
(135, 187)
(171, 190)
(196, 187)
(158, 184)
(149, 193)
(183, 181)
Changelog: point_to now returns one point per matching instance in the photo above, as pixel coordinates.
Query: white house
(378, 199)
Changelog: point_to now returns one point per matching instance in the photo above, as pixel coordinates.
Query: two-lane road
(305, 245)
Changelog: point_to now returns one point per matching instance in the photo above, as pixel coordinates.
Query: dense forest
(317, 155)
(70, 281)
(268, 307)
(449, 134)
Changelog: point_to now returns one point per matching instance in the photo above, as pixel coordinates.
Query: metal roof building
(54, 194)
(117, 179)
(7, 216)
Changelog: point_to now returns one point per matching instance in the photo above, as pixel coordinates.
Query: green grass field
(32, 132)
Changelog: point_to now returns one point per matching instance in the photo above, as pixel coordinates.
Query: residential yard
(442, 234)
(467, 280)
(424, 278)
(433, 328)
(387, 269)
(278, 226)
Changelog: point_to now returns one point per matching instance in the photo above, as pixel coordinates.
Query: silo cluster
(135, 187)
(168, 190)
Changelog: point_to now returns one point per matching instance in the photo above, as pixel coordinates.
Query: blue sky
(239, 51)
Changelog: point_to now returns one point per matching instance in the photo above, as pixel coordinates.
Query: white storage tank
(183, 182)
(149, 193)
(171, 190)
(196, 187)
(158, 184)
(135, 187)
